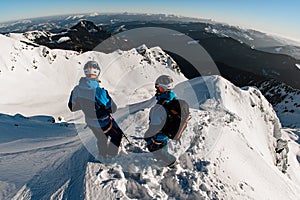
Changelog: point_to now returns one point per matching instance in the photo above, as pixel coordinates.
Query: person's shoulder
(173, 96)
(75, 88)
(101, 89)
(157, 108)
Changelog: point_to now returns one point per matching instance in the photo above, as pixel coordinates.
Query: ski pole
(126, 138)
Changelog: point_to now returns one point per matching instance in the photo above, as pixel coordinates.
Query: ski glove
(152, 131)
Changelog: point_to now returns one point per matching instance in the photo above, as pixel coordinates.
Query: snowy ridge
(218, 140)
(31, 73)
(229, 31)
(286, 100)
(32, 35)
(226, 152)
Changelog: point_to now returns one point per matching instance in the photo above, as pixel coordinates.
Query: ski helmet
(91, 68)
(164, 83)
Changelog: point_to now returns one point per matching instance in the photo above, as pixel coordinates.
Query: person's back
(93, 100)
(97, 106)
(157, 140)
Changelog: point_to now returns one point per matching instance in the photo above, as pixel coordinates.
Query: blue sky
(274, 16)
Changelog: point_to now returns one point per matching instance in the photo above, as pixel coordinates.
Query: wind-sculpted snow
(226, 152)
(39, 158)
(39, 76)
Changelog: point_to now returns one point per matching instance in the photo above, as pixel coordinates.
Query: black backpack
(177, 117)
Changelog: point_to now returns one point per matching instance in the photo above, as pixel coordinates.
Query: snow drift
(226, 152)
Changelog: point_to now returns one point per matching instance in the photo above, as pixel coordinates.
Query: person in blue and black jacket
(97, 106)
(155, 136)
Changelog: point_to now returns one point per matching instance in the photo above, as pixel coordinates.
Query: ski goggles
(159, 89)
(92, 65)
(92, 68)
(94, 71)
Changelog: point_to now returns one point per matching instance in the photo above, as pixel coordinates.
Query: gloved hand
(152, 131)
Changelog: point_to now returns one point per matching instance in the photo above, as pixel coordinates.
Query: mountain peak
(84, 36)
(85, 25)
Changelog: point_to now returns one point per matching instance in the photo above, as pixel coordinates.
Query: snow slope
(39, 158)
(33, 74)
(226, 152)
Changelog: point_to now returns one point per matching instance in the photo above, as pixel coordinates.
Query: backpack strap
(168, 110)
(183, 126)
(174, 112)
(108, 127)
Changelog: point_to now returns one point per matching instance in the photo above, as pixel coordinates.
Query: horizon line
(178, 15)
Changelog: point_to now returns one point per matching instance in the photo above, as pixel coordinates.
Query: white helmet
(91, 68)
(165, 82)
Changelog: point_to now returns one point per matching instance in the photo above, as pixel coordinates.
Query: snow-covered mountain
(226, 152)
(257, 39)
(45, 71)
(67, 21)
(285, 100)
(254, 38)
(81, 37)
(235, 50)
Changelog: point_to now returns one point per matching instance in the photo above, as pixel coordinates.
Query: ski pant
(108, 148)
(158, 145)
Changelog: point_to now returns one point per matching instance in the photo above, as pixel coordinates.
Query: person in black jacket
(156, 138)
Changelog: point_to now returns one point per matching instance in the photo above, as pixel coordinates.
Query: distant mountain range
(235, 146)
(59, 23)
(245, 57)
(81, 37)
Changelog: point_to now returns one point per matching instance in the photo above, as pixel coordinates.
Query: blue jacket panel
(93, 100)
(166, 96)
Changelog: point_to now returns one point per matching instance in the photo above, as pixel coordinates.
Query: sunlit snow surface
(226, 152)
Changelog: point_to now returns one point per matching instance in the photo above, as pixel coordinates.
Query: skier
(97, 106)
(157, 140)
